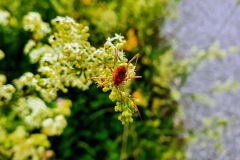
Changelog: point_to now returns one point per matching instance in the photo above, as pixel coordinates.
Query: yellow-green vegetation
(52, 54)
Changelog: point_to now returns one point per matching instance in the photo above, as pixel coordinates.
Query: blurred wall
(200, 23)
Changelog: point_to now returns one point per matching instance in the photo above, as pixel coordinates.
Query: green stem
(123, 155)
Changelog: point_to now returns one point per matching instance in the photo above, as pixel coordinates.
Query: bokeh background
(188, 97)
(200, 24)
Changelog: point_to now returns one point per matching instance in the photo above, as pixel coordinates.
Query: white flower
(64, 19)
(33, 22)
(38, 111)
(4, 17)
(73, 47)
(7, 91)
(48, 122)
(54, 126)
(119, 37)
(30, 44)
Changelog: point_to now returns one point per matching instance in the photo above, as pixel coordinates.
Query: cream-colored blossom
(34, 146)
(6, 93)
(69, 60)
(63, 107)
(4, 18)
(33, 22)
(27, 79)
(38, 111)
(54, 126)
(29, 46)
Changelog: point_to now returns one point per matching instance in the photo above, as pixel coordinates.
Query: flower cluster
(70, 60)
(33, 115)
(24, 145)
(33, 22)
(54, 126)
(6, 90)
(116, 76)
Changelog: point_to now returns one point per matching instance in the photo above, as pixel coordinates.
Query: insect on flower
(117, 75)
(120, 73)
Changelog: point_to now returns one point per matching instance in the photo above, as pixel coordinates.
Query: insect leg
(136, 107)
(115, 57)
(93, 78)
(102, 84)
(106, 65)
(135, 57)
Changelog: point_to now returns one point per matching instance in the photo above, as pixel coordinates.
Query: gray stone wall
(200, 23)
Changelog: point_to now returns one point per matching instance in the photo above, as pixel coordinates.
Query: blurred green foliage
(93, 131)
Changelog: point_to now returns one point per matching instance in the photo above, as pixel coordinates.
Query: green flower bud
(130, 120)
(116, 108)
(112, 96)
(105, 89)
(2, 55)
(120, 117)
(106, 45)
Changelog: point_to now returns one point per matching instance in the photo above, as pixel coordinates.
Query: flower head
(115, 75)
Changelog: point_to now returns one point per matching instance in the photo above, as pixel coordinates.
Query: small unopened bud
(116, 108)
(112, 96)
(130, 120)
(105, 89)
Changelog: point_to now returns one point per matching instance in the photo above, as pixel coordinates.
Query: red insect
(120, 73)
(119, 76)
